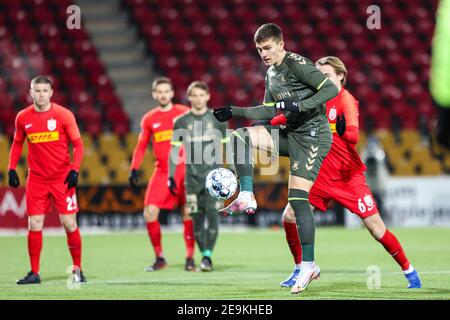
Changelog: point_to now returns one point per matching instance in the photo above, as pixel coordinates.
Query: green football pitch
(248, 265)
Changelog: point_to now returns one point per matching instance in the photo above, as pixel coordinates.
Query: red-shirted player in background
(157, 126)
(48, 128)
(342, 179)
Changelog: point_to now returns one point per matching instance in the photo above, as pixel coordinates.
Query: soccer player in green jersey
(298, 89)
(202, 137)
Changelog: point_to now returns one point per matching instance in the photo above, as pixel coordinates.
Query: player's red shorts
(158, 194)
(39, 195)
(352, 193)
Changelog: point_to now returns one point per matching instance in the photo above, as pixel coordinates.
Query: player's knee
(288, 214)
(35, 223)
(70, 225)
(151, 213)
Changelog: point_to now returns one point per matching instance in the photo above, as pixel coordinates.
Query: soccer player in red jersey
(48, 128)
(341, 177)
(157, 126)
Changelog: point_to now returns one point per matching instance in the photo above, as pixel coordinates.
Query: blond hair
(336, 64)
(197, 84)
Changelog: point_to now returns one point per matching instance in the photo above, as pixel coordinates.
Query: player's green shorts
(197, 198)
(305, 150)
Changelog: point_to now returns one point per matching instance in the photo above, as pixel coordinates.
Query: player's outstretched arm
(310, 75)
(261, 112)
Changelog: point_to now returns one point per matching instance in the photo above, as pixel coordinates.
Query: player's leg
(34, 239)
(243, 141)
(188, 224)
(189, 238)
(38, 204)
(210, 207)
(293, 241)
(74, 243)
(378, 230)
(157, 196)
(151, 215)
(66, 202)
(306, 155)
(356, 196)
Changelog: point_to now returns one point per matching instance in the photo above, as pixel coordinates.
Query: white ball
(221, 183)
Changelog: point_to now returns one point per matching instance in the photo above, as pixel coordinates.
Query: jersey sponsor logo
(165, 135)
(156, 125)
(40, 137)
(51, 124)
(332, 114)
(28, 126)
(333, 127)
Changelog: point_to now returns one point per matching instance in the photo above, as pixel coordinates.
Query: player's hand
(133, 178)
(291, 106)
(13, 178)
(260, 123)
(71, 179)
(341, 125)
(223, 114)
(172, 186)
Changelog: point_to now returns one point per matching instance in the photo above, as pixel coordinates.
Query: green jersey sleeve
(308, 74)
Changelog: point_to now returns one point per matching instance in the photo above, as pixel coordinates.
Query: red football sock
(293, 241)
(391, 244)
(74, 244)
(154, 232)
(34, 249)
(188, 231)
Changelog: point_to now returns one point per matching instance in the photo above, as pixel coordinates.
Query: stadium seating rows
(107, 159)
(34, 40)
(212, 41)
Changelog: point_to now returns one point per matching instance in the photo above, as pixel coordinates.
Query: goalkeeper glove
(223, 114)
(133, 178)
(13, 178)
(341, 125)
(291, 106)
(71, 179)
(172, 186)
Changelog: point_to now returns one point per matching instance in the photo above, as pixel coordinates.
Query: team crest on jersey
(332, 113)
(189, 127)
(209, 125)
(51, 124)
(369, 201)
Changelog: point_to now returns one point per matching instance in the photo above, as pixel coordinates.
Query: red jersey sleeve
(350, 110)
(71, 126)
(19, 133)
(17, 145)
(73, 133)
(143, 140)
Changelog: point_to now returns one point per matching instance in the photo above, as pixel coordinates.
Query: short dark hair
(161, 80)
(197, 84)
(41, 79)
(267, 31)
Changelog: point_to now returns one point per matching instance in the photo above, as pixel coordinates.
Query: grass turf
(248, 265)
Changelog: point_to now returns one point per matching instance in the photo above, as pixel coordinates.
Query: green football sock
(199, 229)
(298, 199)
(242, 156)
(212, 231)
